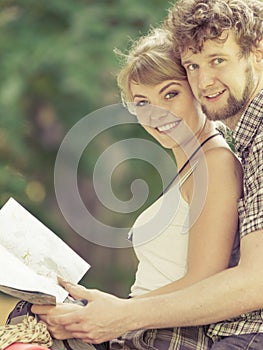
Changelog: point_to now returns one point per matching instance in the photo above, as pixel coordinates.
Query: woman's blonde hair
(149, 61)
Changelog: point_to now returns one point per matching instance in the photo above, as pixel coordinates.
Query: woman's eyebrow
(162, 89)
(137, 95)
(168, 85)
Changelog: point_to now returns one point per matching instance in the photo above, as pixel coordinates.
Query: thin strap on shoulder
(188, 174)
(187, 162)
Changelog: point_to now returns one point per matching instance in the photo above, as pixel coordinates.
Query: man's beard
(234, 107)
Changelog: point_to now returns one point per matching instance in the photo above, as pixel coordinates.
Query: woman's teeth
(166, 127)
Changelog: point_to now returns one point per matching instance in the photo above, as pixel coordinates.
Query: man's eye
(192, 67)
(170, 95)
(218, 61)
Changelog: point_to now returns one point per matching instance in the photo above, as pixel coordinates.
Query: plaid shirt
(183, 338)
(249, 145)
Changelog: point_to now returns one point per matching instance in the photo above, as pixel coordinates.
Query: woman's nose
(157, 115)
(151, 115)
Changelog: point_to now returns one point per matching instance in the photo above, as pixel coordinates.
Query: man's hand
(100, 320)
(46, 313)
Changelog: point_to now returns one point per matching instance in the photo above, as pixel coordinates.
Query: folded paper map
(32, 256)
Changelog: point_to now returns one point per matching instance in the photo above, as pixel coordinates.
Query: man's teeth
(214, 95)
(166, 127)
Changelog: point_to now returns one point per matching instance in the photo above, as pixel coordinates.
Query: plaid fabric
(184, 338)
(249, 145)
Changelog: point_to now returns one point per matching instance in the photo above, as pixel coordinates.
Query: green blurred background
(56, 66)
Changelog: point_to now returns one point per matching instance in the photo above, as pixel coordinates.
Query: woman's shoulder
(222, 154)
(222, 161)
(217, 167)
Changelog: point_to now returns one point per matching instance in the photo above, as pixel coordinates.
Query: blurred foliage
(56, 66)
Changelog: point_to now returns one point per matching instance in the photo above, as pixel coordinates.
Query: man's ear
(258, 53)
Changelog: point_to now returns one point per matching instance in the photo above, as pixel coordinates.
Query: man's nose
(206, 78)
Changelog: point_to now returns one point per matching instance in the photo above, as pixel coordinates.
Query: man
(220, 43)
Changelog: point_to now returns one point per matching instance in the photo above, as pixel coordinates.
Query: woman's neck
(182, 153)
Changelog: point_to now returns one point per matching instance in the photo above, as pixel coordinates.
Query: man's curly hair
(192, 22)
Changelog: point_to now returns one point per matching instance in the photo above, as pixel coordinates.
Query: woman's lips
(167, 127)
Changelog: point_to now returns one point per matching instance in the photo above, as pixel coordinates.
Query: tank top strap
(188, 174)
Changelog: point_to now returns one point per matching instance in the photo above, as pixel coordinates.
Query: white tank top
(160, 240)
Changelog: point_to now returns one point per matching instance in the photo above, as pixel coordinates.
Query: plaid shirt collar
(248, 124)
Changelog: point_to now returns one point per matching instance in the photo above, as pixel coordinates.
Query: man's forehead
(212, 47)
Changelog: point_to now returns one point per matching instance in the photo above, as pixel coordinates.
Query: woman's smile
(167, 127)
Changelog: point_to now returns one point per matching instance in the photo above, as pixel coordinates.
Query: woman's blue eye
(141, 103)
(171, 94)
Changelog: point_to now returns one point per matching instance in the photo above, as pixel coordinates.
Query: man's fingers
(41, 309)
(75, 290)
(68, 319)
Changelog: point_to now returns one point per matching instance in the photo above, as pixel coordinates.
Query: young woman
(189, 233)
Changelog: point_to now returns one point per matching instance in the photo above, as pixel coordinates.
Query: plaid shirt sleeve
(251, 205)
(248, 137)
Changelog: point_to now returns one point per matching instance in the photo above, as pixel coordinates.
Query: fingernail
(81, 302)
(61, 279)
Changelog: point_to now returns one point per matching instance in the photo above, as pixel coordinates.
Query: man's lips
(214, 96)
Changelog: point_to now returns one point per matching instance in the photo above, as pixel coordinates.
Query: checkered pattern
(184, 338)
(249, 145)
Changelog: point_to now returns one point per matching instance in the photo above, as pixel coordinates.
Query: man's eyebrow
(210, 56)
(185, 62)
